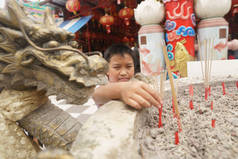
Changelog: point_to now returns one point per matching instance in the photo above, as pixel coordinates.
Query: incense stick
(171, 80)
(200, 56)
(162, 97)
(211, 58)
(208, 58)
(162, 78)
(206, 64)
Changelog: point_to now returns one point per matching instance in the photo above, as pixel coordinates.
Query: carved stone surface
(107, 134)
(15, 105)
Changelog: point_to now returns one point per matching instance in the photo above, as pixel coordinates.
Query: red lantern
(125, 40)
(126, 14)
(107, 20)
(73, 6)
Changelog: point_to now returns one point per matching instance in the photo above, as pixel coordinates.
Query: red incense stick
(211, 105)
(179, 125)
(209, 89)
(160, 116)
(223, 88)
(176, 138)
(191, 104)
(213, 123)
(191, 90)
(191, 96)
(206, 93)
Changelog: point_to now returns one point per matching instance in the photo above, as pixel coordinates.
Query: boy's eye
(129, 66)
(116, 67)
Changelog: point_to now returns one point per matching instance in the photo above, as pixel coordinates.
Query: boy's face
(121, 68)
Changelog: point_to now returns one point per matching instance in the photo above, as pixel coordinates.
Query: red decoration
(73, 6)
(126, 14)
(237, 84)
(180, 27)
(107, 20)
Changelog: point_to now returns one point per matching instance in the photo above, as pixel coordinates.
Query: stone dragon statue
(38, 60)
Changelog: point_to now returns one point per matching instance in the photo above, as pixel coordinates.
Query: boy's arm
(107, 92)
(134, 93)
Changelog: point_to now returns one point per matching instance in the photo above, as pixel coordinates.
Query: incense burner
(208, 124)
(117, 131)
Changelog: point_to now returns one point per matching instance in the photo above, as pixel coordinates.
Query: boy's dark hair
(118, 49)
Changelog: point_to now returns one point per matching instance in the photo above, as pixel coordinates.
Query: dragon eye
(52, 44)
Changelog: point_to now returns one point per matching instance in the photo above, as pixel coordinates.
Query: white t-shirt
(80, 112)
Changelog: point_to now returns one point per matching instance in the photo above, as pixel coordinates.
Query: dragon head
(43, 56)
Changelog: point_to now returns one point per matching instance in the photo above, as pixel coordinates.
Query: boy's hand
(139, 94)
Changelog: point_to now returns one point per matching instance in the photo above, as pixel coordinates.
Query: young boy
(137, 94)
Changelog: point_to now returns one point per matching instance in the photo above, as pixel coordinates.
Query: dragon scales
(38, 60)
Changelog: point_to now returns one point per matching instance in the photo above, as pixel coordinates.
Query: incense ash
(206, 133)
